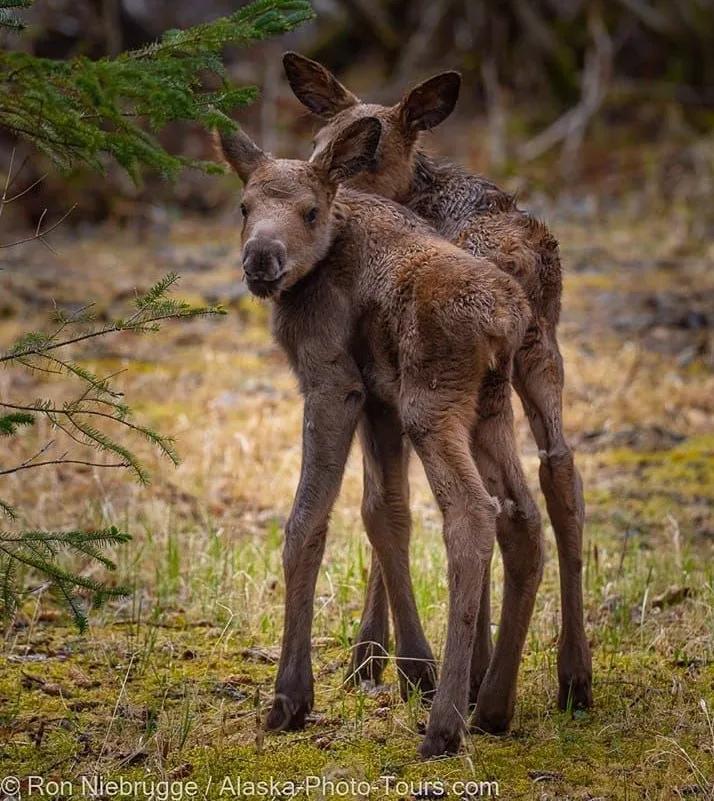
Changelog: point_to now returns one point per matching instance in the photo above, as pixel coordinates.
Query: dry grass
(172, 681)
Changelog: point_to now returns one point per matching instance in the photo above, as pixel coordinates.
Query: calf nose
(263, 259)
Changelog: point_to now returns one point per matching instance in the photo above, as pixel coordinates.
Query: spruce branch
(38, 550)
(9, 422)
(7, 18)
(7, 510)
(80, 111)
(97, 417)
(153, 307)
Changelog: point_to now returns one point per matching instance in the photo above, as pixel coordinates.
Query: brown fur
(391, 330)
(477, 216)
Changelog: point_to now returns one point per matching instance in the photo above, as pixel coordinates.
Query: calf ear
(430, 103)
(239, 150)
(316, 87)
(351, 151)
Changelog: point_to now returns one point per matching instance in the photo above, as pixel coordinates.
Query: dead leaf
(181, 771)
(671, 596)
(31, 682)
(545, 775)
(267, 655)
(81, 679)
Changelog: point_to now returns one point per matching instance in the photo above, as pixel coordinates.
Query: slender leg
(538, 379)
(483, 646)
(492, 394)
(385, 511)
(520, 538)
(330, 419)
(469, 533)
(371, 648)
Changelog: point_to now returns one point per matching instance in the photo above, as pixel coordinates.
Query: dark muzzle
(264, 259)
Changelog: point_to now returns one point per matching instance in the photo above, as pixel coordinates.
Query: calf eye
(311, 216)
(243, 210)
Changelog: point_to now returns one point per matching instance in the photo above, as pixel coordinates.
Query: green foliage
(79, 110)
(38, 551)
(96, 418)
(7, 18)
(10, 422)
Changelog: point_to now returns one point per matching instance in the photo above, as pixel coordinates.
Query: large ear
(316, 87)
(430, 103)
(239, 150)
(351, 151)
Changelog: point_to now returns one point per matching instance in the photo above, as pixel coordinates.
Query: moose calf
(392, 330)
(476, 215)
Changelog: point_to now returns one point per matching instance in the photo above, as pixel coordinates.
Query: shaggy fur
(392, 330)
(476, 215)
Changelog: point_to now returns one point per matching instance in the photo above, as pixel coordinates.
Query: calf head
(422, 108)
(287, 208)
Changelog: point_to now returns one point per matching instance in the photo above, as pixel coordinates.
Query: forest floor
(170, 684)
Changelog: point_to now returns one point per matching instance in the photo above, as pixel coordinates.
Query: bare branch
(62, 462)
(3, 200)
(24, 191)
(130, 325)
(39, 453)
(570, 127)
(39, 234)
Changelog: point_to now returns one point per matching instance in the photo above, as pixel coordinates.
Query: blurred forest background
(587, 98)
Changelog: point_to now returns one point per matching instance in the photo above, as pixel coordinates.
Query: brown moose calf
(482, 219)
(391, 329)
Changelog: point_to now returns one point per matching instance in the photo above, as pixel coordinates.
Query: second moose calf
(389, 329)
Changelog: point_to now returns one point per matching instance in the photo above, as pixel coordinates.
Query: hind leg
(483, 646)
(371, 648)
(385, 512)
(520, 539)
(538, 378)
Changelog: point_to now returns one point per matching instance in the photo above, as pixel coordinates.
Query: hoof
(490, 724)
(575, 692)
(440, 743)
(474, 689)
(417, 674)
(366, 664)
(491, 721)
(287, 714)
(494, 711)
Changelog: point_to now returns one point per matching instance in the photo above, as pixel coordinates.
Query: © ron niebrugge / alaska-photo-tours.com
(356, 399)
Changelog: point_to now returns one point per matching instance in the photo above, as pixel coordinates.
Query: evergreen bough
(74, 111)
(81, 112)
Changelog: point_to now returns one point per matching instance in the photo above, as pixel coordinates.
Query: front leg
(332, 409)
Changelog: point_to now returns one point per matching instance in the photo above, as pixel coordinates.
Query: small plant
(94, 418)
